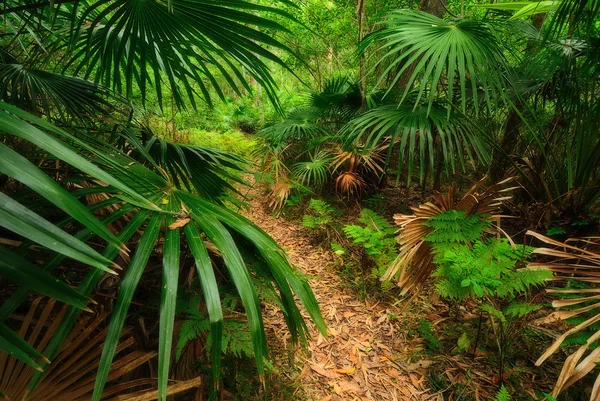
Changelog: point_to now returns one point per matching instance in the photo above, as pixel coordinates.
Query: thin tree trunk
(360, 13)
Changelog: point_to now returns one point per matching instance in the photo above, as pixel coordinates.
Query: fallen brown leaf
(179, 223)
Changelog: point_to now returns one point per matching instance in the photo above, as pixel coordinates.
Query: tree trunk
(360, 13)
(433, 7)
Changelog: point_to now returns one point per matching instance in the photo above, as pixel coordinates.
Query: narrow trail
(365, 356)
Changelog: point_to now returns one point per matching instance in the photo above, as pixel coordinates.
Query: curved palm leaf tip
(193, 42)
(428, 52)
(421, 131)
(577, 260)
(32, 89)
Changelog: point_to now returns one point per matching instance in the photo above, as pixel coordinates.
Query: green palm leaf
(241, 278)
(430, 52)
(315, 171)
(128, 286)
(168, 300)
(414, 129)
(16, 268)
(122, 42)
(19, 219)
(196, 168)
(20, 169)
(11, 343)
(30, 89)
(210, 289)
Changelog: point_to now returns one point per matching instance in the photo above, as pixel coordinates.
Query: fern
(455, 226)
(503, 394)
(236, 334)
(321, 214)
(376, 236)
(432, 341)
(487, 268)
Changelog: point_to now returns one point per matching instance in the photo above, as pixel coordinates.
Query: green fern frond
(503, 394)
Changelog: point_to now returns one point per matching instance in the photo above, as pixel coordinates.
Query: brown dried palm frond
(350, 184)
(574, 260)
(279, 193)
(72, 373)
(355, 165)
(414, 263)
(371, 159)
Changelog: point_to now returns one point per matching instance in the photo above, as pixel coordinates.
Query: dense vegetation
(400, 135)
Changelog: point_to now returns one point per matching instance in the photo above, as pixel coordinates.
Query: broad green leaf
(15, 124)
(275, 258)
(19, 168)
(222, 239)
(19, 347)
(13, 350)
(20, 295)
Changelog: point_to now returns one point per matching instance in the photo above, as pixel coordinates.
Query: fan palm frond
(429, 52)
(419, 130)
(184, 44)
(315, 171)
(299, 124)
(31, 89)
(71, 376)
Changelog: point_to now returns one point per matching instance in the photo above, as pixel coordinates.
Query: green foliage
(468, 265)
(321, 214)
(338, 249)
(503, 394)
(315, 171)
(426, 330)
(376, 236)
(555, 231)
(487, 268)
(231, 141)
(236, 334)
(454, 226)
(463, 342)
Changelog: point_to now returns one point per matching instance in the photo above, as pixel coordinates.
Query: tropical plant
(414, 263)
(163, 191)
(421, 134)
(427, 52)
(574, 261)
(376, 236)
(72, 374)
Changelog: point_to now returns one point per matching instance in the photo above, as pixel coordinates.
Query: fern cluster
(376, 235)
(321, 214)
(455, 226)
(485, 268)
(236, 334)
(469, 265)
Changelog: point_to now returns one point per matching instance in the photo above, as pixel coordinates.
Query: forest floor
(367, 355)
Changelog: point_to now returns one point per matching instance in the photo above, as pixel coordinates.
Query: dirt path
(365, 356)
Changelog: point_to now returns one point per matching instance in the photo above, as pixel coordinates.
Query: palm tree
(68, 68)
